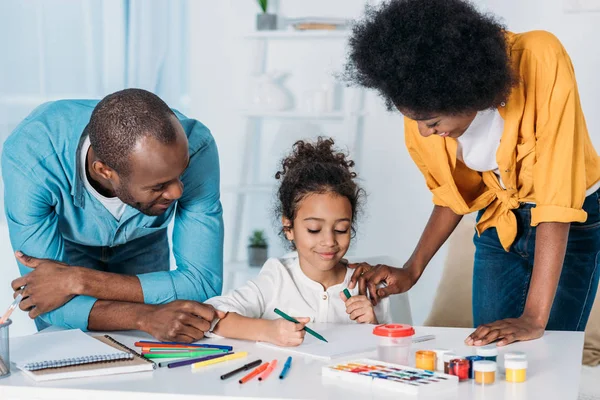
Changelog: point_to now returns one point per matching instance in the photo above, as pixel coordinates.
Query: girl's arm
(278, 331)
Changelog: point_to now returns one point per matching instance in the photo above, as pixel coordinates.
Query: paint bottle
(447, 357)
(516, 370)
(459, 367)
(489, 353)
(425, 359)
(485, 372)
(471, 360)
(439, 358)
(394, 342)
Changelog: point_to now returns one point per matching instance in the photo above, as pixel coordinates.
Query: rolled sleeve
(197, 234)
(559, 172)
(72, 315)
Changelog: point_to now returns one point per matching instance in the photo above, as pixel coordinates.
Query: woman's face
(444, 125)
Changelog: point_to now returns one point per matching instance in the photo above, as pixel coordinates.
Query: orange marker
(268, 371)
(252, 374)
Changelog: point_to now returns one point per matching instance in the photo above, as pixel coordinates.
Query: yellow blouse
(545, 155)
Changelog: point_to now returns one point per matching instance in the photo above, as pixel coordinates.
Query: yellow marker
(219, 360)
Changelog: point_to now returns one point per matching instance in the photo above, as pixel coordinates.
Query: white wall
(398, 203)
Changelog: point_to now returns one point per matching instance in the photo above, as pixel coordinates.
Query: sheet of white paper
(57, 346)
(342, 340)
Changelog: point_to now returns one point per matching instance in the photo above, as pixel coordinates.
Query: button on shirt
(46, 203)
(282, 284)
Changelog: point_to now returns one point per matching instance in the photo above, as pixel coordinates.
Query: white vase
(269, 94)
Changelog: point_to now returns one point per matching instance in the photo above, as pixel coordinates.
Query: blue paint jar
(472, 359)
(489, 353)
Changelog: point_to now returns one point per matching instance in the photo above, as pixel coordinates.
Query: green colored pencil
(179, 354)
(306, 328)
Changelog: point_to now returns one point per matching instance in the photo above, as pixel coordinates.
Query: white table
(554, 372)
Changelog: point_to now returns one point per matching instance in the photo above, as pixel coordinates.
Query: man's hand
(397, 280)
(360, 309)
(506, 331)
(179, 321)
(286, 333)
(47, 287)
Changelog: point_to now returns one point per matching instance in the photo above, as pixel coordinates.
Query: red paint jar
(459, 367)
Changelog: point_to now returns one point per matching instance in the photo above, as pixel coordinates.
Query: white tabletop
(554, 372)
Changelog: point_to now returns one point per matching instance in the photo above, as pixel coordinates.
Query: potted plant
(257, 249)
(264, 20)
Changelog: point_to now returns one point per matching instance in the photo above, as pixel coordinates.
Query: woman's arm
(550, 247)
(441, 224)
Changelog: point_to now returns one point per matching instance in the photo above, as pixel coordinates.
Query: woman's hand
(360, 309)
(395, 280)
(506, 331)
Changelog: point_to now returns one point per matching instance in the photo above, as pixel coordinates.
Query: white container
(439, 356)
(394, 342)
(515, 355)
(489, 353)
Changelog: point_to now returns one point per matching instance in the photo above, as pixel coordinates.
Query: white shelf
(309, 34)
(258, 188)
(302, 114)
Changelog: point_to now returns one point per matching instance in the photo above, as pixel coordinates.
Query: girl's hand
(360, 309)
(285, 333)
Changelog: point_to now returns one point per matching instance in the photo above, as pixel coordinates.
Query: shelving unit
(352, 116)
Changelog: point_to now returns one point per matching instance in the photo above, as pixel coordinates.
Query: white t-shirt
(282, 284)
(114, 205)
(477, 147)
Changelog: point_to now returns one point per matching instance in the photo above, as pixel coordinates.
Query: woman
(494, 123)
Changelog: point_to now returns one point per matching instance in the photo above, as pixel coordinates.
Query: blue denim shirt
(46, 203)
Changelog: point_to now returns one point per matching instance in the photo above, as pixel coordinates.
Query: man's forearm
(107, 285)
(440, 226)
(550, 247)
(117, 316)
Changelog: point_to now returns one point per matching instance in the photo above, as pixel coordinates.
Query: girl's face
(321, 230)
(444, 125)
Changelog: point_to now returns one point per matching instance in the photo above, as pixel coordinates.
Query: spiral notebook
(74, 354)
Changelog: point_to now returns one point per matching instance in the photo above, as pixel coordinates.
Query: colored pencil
(254, 373)
(189, 361)
(306, 328)
(268, 371)
(240, 369)
(220, 360)
(147, 343)
(191, 354)
(286, 368)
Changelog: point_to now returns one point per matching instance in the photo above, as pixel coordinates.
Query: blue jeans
(149, 253)
(501, 279)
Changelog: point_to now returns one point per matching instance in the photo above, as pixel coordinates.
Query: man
(90, 188)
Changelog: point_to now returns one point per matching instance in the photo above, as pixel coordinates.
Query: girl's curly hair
(316, 167)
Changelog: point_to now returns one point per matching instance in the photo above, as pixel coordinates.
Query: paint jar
(439, 358)
(471, 360)
(459, 367)
(515, 355)
(425, 359)
(516, 370)
(447, 357)
(485, 372)
(489, 353)
(394, 342)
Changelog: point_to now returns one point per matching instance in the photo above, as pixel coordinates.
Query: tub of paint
(447, 358)
(515, 355)
(425, 359)
(485, 372)
(516, 370)
(439, 358)
(471, 360)
(489, 353)
(394, 342)
(459, 367)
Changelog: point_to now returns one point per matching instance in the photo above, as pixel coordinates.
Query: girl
(318, 201)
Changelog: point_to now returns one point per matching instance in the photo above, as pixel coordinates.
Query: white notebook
(61, 349)
(342, 340)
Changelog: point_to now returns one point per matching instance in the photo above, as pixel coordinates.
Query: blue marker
(286, 367)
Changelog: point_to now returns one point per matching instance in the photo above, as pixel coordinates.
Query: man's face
(155, 169)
